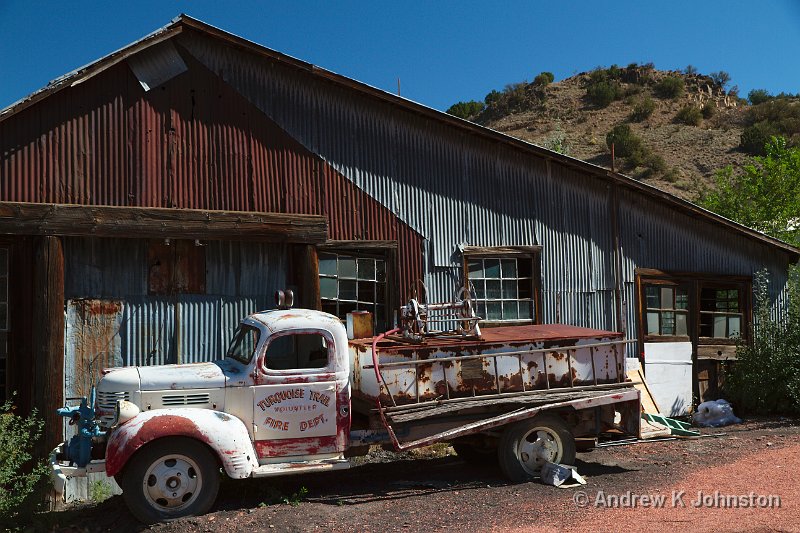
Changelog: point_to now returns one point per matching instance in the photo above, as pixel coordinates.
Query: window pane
(492, 268)
(380, 270)
(3, 289)
(508, 268)
(510, 311)
(380, 293)
(347, 289)
(494, 311)
(329, 307)
(366, 291)
(525, 268)
(481, 310)
(680, 325)
(347, 267)
(668, 323)
(493, 289)
(651, 293)
(480, 290)
(720, 323)
(327, 288)
(525, 310)
(509, 289)
(475, 268)
(346, 307)
(366, 269)
(327, 265)
(681, 299)
(652, 323)
(525, 287)
(666, 297)
(734, 326)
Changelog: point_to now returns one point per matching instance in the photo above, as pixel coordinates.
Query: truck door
(301, 403)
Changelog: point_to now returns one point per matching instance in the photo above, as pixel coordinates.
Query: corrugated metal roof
(285, 114)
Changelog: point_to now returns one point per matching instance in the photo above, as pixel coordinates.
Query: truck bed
(528, 361)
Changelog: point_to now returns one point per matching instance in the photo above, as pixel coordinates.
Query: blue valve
(79, 449)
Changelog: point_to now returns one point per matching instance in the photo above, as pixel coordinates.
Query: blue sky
(442, 51)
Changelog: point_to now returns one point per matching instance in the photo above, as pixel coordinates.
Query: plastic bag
(715, 414)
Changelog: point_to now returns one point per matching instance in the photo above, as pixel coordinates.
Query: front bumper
(60, 470)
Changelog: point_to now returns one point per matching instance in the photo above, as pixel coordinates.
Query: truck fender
(226, 435)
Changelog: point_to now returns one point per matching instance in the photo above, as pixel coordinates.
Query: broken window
(349, 282)
(504, 286)
(176, 267)
(667, 310)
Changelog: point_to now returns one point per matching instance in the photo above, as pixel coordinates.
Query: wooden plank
(365, 245)
(718, 352)
(19, 218)
(648, 401)
(482, 251)
(48, 334)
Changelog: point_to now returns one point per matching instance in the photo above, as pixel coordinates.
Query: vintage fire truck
(293, 394)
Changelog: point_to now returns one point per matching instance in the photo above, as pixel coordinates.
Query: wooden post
(48, 337)
(306, 276)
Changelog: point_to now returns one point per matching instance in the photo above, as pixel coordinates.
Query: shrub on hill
(466, 110)
(775, 117)
(689, 115)
(642, 109)
(543, 79)
(758, 96)
(670, 87)
(709, 110)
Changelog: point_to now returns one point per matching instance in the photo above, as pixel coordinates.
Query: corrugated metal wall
(113, 321)
(193, 143)
(455, 188)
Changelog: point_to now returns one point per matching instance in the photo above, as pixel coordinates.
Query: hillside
(679, 153)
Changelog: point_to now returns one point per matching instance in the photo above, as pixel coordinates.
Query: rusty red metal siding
(193, 143)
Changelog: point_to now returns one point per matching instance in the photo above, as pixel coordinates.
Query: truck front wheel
(526, 446)
(170, 478)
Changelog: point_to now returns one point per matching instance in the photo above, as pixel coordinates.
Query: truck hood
(178, 377)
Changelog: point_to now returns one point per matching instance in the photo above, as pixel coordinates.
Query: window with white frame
(349, 282)
(667, 310)
(504, 287)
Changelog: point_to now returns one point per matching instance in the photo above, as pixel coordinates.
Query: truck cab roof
(278, 320)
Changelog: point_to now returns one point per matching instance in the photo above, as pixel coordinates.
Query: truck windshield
(243, 344)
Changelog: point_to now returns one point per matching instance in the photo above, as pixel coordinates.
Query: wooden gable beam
(18, 218)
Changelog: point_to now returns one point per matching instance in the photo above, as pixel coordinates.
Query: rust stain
(152, 429)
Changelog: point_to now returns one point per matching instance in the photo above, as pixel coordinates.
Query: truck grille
(106, 405)
(185, 399)
(107, 401)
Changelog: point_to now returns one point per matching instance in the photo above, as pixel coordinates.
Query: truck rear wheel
(170, 478)
(526, 446)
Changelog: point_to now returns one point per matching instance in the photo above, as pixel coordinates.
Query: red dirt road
(721, 498)
(439, 492)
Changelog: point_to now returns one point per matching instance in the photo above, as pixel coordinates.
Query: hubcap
(539, 446)
(172, 483)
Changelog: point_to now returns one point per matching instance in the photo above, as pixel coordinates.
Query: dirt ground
(433, 491)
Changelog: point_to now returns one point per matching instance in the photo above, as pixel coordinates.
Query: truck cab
(278, 402)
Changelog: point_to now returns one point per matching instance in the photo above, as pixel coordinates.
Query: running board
(300, 467)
